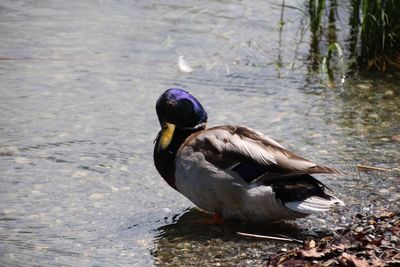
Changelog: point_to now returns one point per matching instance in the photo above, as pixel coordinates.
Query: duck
(232, 171)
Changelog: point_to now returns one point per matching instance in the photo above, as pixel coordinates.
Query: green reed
(379, 32)
(374, 36)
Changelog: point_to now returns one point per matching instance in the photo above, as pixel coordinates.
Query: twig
(272, 237)
(7, 58)
(371, 168)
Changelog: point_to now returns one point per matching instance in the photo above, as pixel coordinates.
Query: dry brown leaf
(287, 255)
(386, 214)
(341, 247)
(353, 249)
(293, 263)
(330, 262)
(376, 262)
(312, 253)
(327, 239)
(397, 256)
(396, 137)
(351, 260)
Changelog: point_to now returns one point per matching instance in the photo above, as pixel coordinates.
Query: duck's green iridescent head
(177, 108)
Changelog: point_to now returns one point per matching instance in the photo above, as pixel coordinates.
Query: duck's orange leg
(216, 219)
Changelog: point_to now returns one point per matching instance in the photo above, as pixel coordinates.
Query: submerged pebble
(363, 86)
(97, 196)
(389, 93)
(359, 229)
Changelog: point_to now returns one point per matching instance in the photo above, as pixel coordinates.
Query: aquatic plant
(374, 34)
(379, 33)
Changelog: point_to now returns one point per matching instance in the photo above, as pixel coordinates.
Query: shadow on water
(187, 240)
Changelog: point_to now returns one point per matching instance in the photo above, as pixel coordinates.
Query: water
(77, 123)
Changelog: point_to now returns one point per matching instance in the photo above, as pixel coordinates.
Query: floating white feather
(183, 66)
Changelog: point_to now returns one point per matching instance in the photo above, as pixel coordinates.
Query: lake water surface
(79, 81)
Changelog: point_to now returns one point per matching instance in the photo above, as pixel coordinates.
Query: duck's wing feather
(248, 159)
(251, 154)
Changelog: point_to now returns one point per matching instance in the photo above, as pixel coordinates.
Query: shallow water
(77, 124)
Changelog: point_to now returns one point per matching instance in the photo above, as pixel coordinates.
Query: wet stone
(363, 86)
(369, 229)
(359, 229)
(389, 93)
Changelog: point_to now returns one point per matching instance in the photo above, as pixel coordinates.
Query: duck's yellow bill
(167, 132)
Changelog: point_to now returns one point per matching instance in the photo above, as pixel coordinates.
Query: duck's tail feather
(314, 204)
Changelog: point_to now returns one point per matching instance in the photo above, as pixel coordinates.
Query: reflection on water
(77, 124)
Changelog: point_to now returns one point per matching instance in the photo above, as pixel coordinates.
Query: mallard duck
(234, 172)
